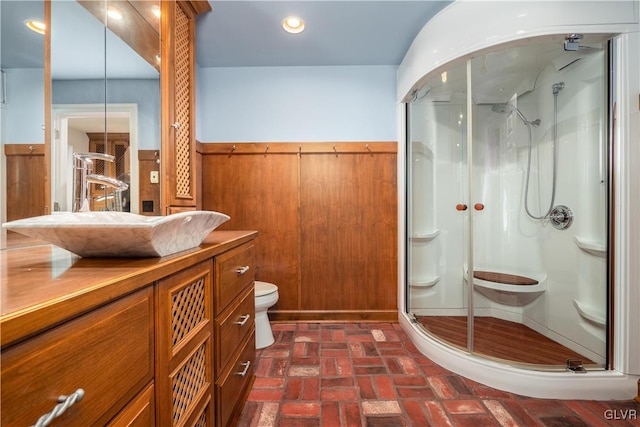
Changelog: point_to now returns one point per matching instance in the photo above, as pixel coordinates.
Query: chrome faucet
(83, 176)
(108, 182)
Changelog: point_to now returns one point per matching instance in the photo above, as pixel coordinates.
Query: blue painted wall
(144, 92)
(23, 113)
(296, 104)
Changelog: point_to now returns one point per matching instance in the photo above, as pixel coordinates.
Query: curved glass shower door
(437, 181)
(518, 203)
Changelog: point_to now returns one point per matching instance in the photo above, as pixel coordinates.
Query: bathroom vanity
(147, 341)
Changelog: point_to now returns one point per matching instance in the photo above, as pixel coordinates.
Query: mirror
(22, 112)
(105, 97)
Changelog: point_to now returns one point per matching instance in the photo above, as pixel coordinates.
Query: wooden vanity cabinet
(107, 352)
(178, 351)
(234, 331)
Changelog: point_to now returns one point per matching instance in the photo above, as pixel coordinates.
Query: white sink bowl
(120, 234)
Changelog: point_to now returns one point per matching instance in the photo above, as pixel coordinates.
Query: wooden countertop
(44, 285)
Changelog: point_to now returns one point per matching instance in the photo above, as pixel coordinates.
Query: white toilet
(266, 296)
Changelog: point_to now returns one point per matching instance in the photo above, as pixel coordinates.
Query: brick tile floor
(370, 374)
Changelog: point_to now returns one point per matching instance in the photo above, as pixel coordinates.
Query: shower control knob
(461, 207)
(478, 206)
(561, 217)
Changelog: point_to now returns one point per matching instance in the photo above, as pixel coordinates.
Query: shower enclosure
(507, 205)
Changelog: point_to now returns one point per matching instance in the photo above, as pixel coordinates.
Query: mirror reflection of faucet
(83, 176)
(108, 182)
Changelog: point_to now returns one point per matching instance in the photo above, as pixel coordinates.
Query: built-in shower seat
(507, 279)
(496, 284)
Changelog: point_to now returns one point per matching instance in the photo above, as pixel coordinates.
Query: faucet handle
(87, 157)
(108, 181)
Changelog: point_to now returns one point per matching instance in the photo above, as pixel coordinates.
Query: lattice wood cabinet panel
(184, 346)
(205, 418)
(179, 161)
(188, 311)
(183, 104)
(190, 382)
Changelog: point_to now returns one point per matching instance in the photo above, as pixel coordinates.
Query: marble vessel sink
(120, 234)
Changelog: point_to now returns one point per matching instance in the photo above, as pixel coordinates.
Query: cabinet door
(184, 354)
(178, 94)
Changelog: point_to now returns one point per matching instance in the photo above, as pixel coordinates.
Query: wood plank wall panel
(326, 214)
(26, 180)
(349, 231)
(260, 192)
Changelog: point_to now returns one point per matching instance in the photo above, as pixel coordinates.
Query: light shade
(293, 24)
(35, 25)
(114, 13)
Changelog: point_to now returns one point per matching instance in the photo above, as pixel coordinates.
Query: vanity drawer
(108, 353)
(139, 413)
(232, 386)
(232, 328)
(234, 270)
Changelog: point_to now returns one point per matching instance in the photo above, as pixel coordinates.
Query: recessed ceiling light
(293, 24)
(155, 9)
(114, 13)
(35, 25)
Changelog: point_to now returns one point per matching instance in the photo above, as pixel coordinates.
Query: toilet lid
(264, 288)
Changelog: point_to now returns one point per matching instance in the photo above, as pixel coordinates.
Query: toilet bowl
(266, 296)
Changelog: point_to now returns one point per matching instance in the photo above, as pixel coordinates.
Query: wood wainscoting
(26, 181)
(326, 215)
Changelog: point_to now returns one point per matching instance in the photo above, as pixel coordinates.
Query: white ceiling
(236, 33)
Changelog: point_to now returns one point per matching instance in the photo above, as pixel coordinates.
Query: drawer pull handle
(243, 319)
(242, 270)
(65, 402)
(245, 369)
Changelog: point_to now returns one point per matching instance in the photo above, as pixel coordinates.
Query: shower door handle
(461, 207)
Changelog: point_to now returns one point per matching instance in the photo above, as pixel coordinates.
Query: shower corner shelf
(589, 246)
(590, 313)
(425, 237)
(420, 147)
(425, 283)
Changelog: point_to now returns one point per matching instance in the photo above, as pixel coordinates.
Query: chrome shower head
(507, 108)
